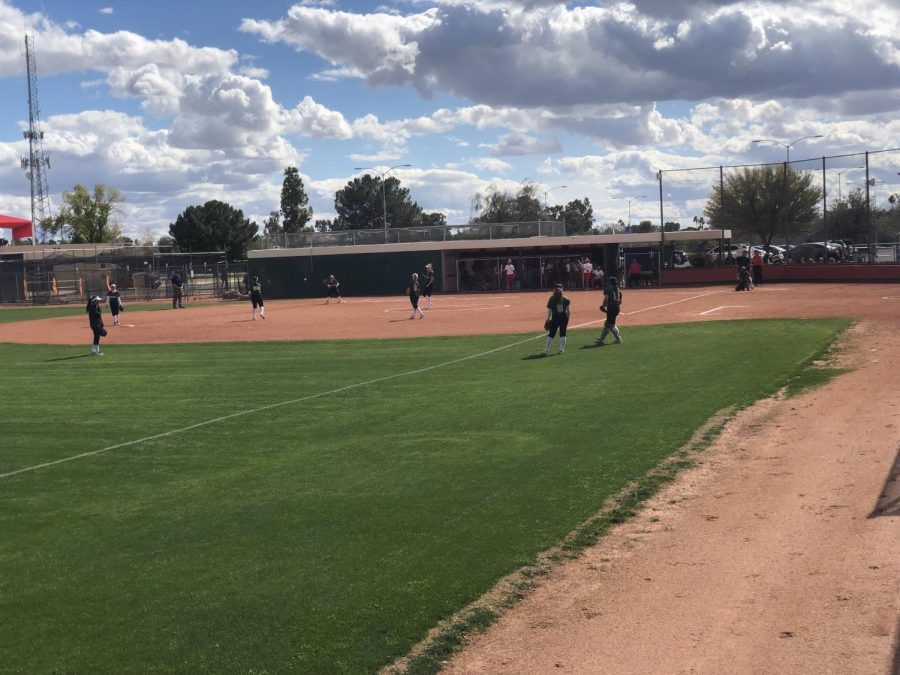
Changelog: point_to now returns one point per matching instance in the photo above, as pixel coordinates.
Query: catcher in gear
(557, 319)
(612, 303)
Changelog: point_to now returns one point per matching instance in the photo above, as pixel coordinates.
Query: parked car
(810, 252)
(735, 249)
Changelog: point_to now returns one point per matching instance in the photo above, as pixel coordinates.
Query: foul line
(348, 387)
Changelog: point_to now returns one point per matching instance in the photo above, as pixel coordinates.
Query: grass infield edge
(451, 635)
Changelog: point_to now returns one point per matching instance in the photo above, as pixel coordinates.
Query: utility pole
(37, 160)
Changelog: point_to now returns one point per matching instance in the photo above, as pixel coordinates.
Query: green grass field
(329, 534)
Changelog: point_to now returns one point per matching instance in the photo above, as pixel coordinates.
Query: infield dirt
(769, 556)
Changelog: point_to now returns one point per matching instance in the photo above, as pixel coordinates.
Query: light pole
(546, 194)
(841, 173)
(383, 193)
(629, 200)
(787, 146)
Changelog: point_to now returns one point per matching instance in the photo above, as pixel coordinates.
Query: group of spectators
(573, 273)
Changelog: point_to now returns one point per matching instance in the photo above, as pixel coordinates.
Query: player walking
(557, 319)
(256, 298)
(333, 287)
(612, 304)
(414, 289)
(428, 278)
(95, 320)
(114, 300)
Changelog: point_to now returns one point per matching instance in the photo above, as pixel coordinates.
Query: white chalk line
(280, 404)
(716, 309)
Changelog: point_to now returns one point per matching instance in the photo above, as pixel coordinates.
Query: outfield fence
(63, 275)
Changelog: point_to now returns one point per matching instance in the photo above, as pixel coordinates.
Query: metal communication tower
(38, 161)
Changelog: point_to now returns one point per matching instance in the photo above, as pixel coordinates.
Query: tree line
(757, 203)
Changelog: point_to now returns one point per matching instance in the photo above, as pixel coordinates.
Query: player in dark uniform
(745, 281)
(428, 279)
(114, 300)
(95, 319)
(333, 287)
(256, 298)
(557, 319)
(177, 291)
(415, 287)
(612, 304)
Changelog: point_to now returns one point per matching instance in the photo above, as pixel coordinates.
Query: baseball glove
(603, 308)
(547, 324)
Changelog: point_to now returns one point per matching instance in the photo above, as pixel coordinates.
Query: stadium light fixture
(383, 193)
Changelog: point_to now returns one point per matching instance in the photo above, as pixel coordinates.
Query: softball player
(413, 290)
(95, 320)
(612, 303)
(557, 319)
(333, 286)
(114, 301)
(256, 298)
(429, 282)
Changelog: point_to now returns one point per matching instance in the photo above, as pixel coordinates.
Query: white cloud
(491, 164)
(517, 143)
(547, 54)
(106, 10)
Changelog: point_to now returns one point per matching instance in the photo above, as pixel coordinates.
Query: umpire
(612, 305)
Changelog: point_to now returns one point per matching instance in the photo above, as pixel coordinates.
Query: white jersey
(510, 270)
(588, 268)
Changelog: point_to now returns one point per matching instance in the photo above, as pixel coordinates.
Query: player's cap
(559, 287)
(255, 278)
(96, 298)
(614, 280)
(112, 285)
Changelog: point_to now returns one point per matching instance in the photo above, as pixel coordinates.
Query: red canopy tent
(20, 228)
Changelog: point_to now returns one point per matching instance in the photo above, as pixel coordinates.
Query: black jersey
(559, 306)
(613, 296)
(113, 298)
(95, 316)
(256, 288)
(429, 280)
(414, 287)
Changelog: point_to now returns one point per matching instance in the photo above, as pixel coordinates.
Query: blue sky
(175, 103)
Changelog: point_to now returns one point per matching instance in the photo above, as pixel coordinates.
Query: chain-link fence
(64, 275)
(857, 217)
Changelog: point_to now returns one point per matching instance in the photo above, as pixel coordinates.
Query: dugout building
(295, 266)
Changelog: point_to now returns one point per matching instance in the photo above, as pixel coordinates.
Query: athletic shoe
(600, 344)
(619, 341)
(263, 317)
(421, 316)
(546, 352)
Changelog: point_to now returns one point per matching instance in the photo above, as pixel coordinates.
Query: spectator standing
(612, 304)
(634, 273)
(587, 273)
(509, 271)
(757, 263)
(177, 290)
(557, 319)
(598, 277)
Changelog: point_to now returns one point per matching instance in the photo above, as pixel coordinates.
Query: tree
(761, 202)
(294, 201)
(4, 241)
(578, 215)
(360, 205)
(84, 218)
(497, 206)
(644, 226)
(215, 226)
(671, 226)
(272, 224)
(322, 225)
(165, 241)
